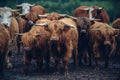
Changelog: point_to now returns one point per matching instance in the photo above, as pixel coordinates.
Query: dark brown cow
(4, 39)
(35, 45)
(92, 12)
(83, 25)
(102, 41)
(63, 41)
(116, 25)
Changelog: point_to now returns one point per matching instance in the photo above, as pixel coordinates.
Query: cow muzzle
(53, 38)
(83, 32)
(5, 24)
(107, 43)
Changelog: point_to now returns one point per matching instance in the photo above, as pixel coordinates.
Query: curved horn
(100, 8)
(63, 15)
(92, 19)
(19, 5)
(70, 25)
(85, 8)
(71, 17)
(44, 24)
(32, 5)
(18, 33)
(45, 15)
(14, 10)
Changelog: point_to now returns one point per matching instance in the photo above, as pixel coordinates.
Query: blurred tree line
(68, 6)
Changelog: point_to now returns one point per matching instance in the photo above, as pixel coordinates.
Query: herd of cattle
(85, 36)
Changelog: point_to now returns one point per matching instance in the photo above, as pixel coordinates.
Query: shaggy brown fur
(83, 25)
(4, 39)
(35, 44)
(62, 42)
(116, 25)
(97, 13)
(103, 41)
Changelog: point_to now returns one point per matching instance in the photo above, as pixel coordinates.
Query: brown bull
(102, 41)
(92, 12)
(4, 39)
(35, 45)
(63, 41)
(116, 25)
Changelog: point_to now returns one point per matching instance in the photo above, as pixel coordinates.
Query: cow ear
(92, 22)
(66, 28)
(15, 14)
(46, 27)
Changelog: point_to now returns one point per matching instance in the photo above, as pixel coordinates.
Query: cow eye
(10, 16)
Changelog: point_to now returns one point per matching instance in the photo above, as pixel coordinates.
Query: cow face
(96, 12)
(5, 16)
(25, 7)
(56, 29)
(83, 26)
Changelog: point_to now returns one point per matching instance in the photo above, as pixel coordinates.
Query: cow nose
(107, 43)
(83, 31)
(53, 38)
(5, 24)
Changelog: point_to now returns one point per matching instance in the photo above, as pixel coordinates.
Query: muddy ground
(81, 73)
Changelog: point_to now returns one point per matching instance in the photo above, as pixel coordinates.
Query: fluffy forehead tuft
(5, 9)
(25, 4)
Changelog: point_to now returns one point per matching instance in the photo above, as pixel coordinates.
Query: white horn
(44, 24)
(71, 17)
(45, 15)
(96, 29)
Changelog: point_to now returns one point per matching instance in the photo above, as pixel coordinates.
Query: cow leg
(90, 54)
(96, 53)
(27, 60)
(65, 63)
(18, 47)
(106, 61)
(1, 65)
(75, 56)
(9, 59)
(66, 58)
(47, 59)
(39, 62)
(57, 65)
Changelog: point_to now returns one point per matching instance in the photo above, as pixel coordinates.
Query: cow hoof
(56, 73)
(9, 65)
(67, 74)
(97, 68)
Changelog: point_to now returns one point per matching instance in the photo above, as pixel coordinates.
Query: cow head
(25, 7)
(52, 16)
(6, 16)
(106, 37)
(94, 12)
(83, 25)
(57, 29)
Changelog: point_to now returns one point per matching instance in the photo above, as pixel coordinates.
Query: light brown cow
(92, 12)
(4, 39)
(102, 41)
(11, 24)
(63, 41)
(116, 25)
(35, 45)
